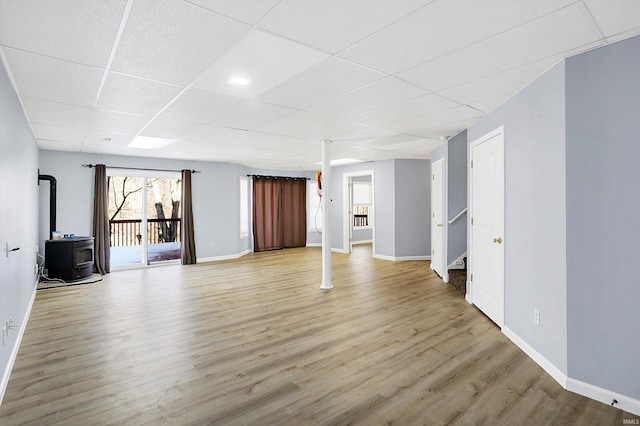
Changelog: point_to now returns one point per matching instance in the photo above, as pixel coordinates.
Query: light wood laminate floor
(255, 341)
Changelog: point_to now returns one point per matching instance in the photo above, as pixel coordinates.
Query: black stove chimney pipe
(52, 201)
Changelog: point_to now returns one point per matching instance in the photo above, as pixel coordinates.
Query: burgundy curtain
(101, 230)
(279, 213)
(188, 247)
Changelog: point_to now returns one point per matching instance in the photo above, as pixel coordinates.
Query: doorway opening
(144, 217)
(359, 210)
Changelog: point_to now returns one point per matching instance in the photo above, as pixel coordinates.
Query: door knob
(497, 240)
(440, 225)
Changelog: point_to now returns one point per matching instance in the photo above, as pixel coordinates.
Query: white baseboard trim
(225, 257)
(361, 242)
(603, 395)
(543, 362)
(467, 296)
(314, 244)
(337, 250)
(400, 258)
(14, 352)
(458, 263)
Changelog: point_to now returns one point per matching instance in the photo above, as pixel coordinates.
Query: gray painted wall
(18, 214)
(413, 204)
(456, 200)
(216, 198)
(603, 230)
(535, 224)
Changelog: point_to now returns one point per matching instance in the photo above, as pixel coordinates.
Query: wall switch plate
(536, 316)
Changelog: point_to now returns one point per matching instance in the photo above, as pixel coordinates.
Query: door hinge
(433, 177)
(472, 164)
(433, 214)
(433, 252)
(472, 221)
(471, 277)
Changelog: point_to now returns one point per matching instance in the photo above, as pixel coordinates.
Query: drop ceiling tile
(296, 122)
(442, 27)
(441, 117)
(417, 147)
(265, 59)
(115, 140)
(227, 136)
(117, 122)
(368, 98)
(55, 113)
(503, 84)
(77, 31)
(249, 11)
(332, 25)
(169, 129)
(59, 146)
(331, 130)
(290, 144)
(614, 17)
(325, 80)
(389, 140)
(51, 79)
(173, 41)
(544, 37)
(365, 135)
(450, 129)
(57, 133)
(200, 106)
(404, 110)
(133, 95)
(250, 115)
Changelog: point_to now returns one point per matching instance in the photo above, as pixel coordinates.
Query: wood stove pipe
(52, 201)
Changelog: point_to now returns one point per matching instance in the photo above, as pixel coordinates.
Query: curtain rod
(279, 177)
(139, 168)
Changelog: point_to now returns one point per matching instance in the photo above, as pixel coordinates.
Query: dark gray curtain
(188, 249)
(101, 231)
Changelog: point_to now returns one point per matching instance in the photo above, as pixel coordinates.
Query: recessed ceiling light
(238, 81)
(148, 142)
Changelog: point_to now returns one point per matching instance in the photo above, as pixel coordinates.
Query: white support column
(326, 214)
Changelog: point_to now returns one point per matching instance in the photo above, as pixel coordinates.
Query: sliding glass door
(144, 217)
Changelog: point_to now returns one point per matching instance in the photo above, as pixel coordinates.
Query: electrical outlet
(536, 316)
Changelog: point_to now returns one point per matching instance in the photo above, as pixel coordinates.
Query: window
(314, 212)
(361, 205)
(244, 207)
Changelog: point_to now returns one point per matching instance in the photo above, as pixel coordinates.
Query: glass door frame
(144, 243)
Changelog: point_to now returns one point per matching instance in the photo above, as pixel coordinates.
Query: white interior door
(487, 225)
(437, 218)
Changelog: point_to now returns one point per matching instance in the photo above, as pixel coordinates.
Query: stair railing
(456, 217)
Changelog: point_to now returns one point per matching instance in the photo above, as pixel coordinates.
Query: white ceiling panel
(249, 11)
(77, 31)
(441, 117)
(133, 95)
(200, 106)
(173, 41)
(296, 122)
(289, 144)
(60, 146)
(417, 147)
(264, 59)
(365, 135)
(250, 115)
(54, 113)
(117, 122)
(503, 84)
(404, 110)
(226, 136)
(368, 98)
(331, 130)
(442, 27)
(447, 130)
(51, 79)
(616, 16)
(57, 133)
(107, 139)
(327, 79)
(504, 51)
(389, 140)
(330, 25)
(169, 129)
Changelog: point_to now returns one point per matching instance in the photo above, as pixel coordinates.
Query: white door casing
(347, 202)
(437, 218)
(487, 224)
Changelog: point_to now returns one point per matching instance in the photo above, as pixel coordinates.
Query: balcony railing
(128, 232)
